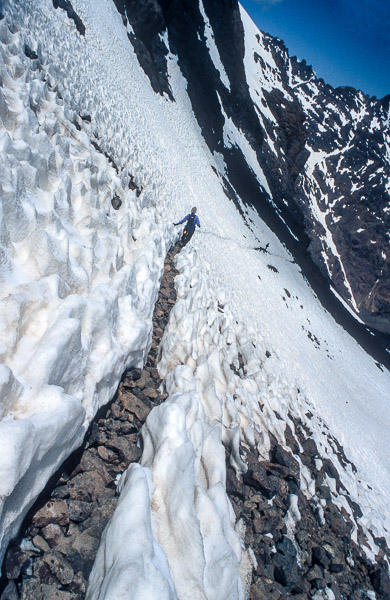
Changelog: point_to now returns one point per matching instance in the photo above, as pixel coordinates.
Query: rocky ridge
(303, 547)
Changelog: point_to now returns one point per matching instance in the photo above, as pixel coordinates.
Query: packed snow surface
(79, 282)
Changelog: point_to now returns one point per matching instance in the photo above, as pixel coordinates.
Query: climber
(192, 220)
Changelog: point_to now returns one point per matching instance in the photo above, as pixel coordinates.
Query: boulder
(286, 459)
(151, 393)
(50, 592)
(257, 477)
(128, 450)
(319, 556)
(40, 543)
(285, 564)
(106, 455)
(79, 510)
(80, 551)
(54, 511)
(59, 567)
(381, 581)
(52, 534)
(87, 486)
(31, 590)
(14, 562)
(135, 406)
(91, 462)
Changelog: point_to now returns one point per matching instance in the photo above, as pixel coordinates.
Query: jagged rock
(330, 469)
(87, 486)
(320, 556)
(135, 406)
(80, 551)
(257, 594)
(54, 511)
(90, 462)
(59, 566)
(285, 564)
(106, 455)
(60, 493)
(10, 592)
(151, 393)
(381, 582)
(258, 478)
(14, 562)
(134, 374)
(315, 572)
(97, 521)
(284, 458)
(338, 524)
(116, 202)
(291, 440)
(97, 436)
(128, 451)
(78, 585)
(53, 534)
(79, 510)
(325, 493)
(272, 522)
(139, 383)
(40, 543)
(310, 447)
(43, 573)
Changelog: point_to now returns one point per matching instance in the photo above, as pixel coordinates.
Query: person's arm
(197, 222)
(182, 221)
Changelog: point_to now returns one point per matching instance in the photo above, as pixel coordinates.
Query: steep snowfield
(79, 281)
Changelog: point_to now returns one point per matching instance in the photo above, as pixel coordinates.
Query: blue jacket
(196, 221)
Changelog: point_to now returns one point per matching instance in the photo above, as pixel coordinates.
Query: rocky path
(63, 530)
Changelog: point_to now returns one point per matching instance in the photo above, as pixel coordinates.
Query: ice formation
(79, 279)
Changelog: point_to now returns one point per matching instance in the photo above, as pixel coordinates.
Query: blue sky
(346, 41)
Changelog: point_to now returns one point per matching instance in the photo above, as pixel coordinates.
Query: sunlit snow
(78, 285)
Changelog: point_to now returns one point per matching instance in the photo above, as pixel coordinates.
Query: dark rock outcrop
(66, 5)
(317, 553)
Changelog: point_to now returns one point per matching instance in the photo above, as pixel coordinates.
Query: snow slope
(79, 281)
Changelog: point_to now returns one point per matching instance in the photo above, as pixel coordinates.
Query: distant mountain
(324, 152)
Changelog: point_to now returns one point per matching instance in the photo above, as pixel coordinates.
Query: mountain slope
(111, 131)
(324, 152)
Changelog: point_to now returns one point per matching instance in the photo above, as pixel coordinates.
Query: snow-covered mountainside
(325, 153)
(116, 118)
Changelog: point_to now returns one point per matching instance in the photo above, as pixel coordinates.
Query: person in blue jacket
(192, 221)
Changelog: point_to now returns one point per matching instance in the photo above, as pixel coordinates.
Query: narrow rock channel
(54, 555)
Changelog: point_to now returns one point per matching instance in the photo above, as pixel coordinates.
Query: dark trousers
(187, 235)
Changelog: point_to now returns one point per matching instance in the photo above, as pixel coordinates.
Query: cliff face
(324, 152)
